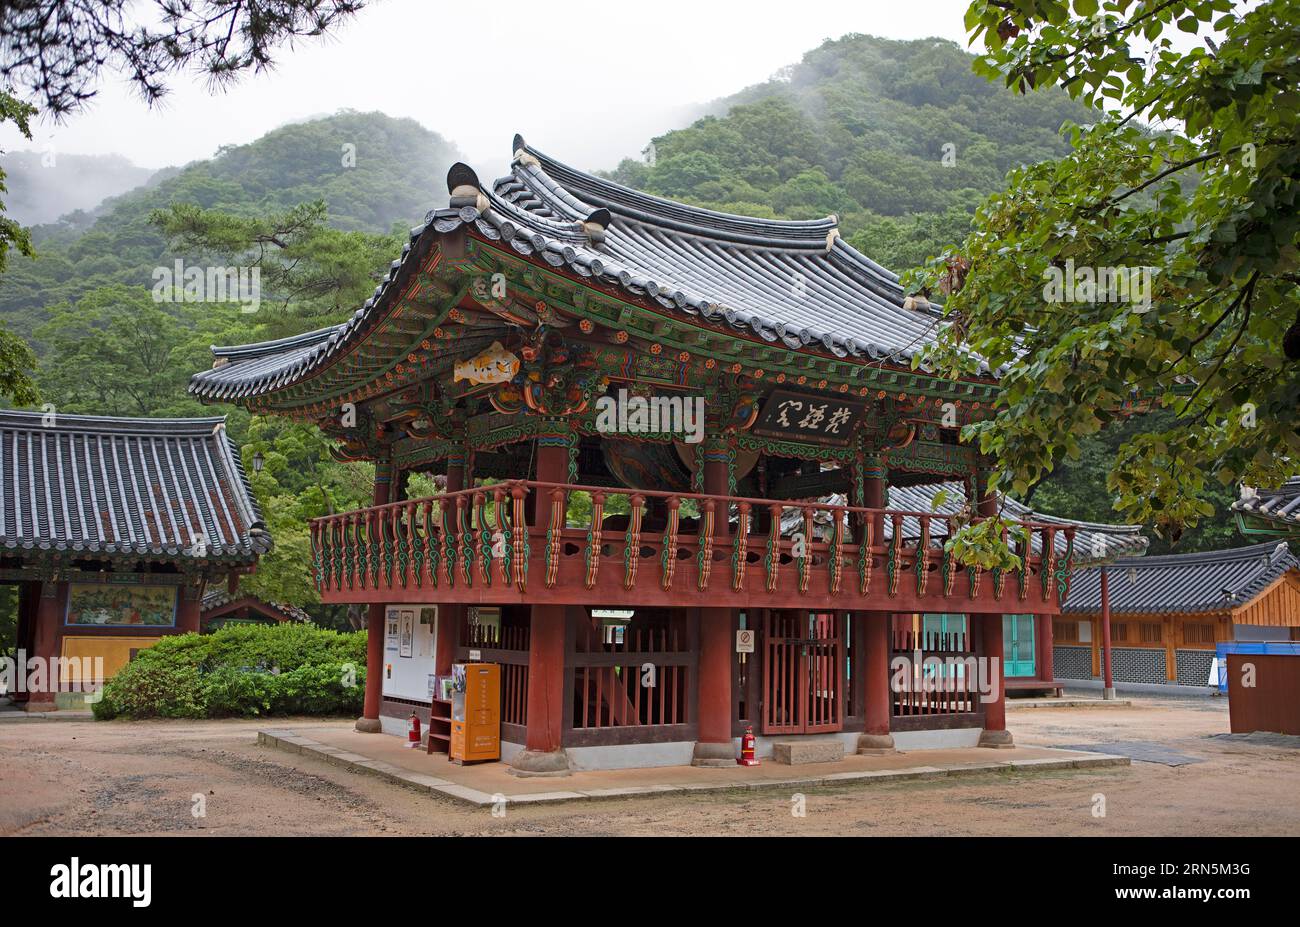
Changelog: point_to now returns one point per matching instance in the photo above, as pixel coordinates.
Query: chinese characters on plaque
(816, 419)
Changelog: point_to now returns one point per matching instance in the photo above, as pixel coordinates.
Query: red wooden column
(46, 641)
(1046, 649)
(368, 723)
(995, 733)
(875, 738)
(450, 616)
(543, 752)
(1109, 681)
(188, 609)
(714, 746)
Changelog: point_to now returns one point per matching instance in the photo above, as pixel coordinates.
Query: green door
(1018, 645)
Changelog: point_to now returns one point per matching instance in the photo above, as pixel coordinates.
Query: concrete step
(799, 752)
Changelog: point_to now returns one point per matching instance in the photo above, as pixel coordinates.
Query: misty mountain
(372, 171)
(900, 139)
(45, 185)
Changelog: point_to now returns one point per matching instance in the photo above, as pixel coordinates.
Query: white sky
(589, 81)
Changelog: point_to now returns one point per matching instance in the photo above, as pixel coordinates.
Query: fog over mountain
(44, 185)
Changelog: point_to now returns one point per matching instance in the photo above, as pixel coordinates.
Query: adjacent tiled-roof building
(1169, 613)
(221, 606)
(1211, 582)
(112, 528)
(147, 489)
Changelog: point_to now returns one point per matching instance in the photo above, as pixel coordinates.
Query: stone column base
(876, 744)
(535, 763)
(1108, 694)
(33, 705)
(369, 726)
(716, 755)
(998, 739)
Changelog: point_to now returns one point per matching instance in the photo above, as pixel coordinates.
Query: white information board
(410, 639)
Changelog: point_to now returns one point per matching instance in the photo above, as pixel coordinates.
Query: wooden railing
(514, 542)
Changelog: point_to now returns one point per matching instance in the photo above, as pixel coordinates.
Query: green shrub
(241, 671)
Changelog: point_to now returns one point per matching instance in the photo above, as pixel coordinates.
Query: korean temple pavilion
(684, 456)
(113, 529)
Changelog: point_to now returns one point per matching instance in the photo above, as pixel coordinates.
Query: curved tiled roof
(1281, 505)
(1207, 582)
(152, 488)
(220, 598)
(796, 283)
(1094, 542)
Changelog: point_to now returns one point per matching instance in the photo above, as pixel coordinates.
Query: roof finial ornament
(465, 189)
(521, 154)
(595, 224)
(831, 236)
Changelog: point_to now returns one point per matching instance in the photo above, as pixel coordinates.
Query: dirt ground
(83, 778)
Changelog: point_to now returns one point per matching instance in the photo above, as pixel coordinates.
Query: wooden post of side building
(877, 627)
(369, 722)
(1046, 649)
(1108, 681)
(543, 753)
(713, 745)
(46, 643)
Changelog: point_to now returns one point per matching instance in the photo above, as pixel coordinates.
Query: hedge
(242, 670)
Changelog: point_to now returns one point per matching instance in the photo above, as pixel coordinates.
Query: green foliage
(319, 273)
(61, 50)
(241, 670)
(397, 175)
(118, 352)
(1211, 212)
(16, 358)
(859, 128)
(299, 481)
(980, 544)
(8, 619)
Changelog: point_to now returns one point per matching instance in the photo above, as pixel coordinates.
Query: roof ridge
(257, 348)
(528, 162)
(21, 418)
(1250, 552)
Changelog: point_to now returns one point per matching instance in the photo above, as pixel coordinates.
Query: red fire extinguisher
(747, 757)
(413, 735)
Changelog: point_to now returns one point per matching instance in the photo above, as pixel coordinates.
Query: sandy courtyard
(82, 778)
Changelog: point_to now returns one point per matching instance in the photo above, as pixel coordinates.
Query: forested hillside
(901, 140)
(391, 177)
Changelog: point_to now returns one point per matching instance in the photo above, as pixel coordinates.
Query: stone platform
(489, 784)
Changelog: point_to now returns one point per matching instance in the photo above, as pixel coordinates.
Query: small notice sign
(744, 641)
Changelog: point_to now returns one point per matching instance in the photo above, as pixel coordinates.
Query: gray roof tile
(1281, 505)
(1198, 583)
(793, 282)
(125, 487)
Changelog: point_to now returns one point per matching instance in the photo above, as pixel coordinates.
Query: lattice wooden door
(803, 673)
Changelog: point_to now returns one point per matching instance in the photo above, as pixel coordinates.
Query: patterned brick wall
(1138, 664)
(1071, 662)
(1194, 666)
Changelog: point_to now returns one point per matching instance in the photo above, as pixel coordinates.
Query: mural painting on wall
(109, 606)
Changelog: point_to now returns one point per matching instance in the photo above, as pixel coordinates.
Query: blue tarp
(1281, 648)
